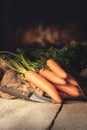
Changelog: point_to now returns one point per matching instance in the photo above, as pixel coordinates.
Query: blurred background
(20, 13)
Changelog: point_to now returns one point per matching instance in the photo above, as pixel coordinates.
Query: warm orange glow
(44, 35)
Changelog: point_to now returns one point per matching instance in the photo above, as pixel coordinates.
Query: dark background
(15, 13)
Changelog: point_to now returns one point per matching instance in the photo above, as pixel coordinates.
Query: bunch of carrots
(51, 79)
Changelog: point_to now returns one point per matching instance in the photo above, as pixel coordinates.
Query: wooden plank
(73, 116)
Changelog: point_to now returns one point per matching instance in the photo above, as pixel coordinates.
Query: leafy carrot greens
(73, 58)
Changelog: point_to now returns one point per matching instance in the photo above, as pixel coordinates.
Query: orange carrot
(70, 79)
(56, 68)
(43, 84)
(52, 77)
(69, 89)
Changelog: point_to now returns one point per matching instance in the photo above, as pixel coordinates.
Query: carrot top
(20, 62)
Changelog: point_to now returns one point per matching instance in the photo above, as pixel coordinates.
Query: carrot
(52, 77)
(56, 68)
(43, 84)
(69, 89)
(70, 79)
(73, 81)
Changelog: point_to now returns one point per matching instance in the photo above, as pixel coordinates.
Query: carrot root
(43, 84)
(70, 79)
(56, 68)
(52, 77)
(69, 89)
